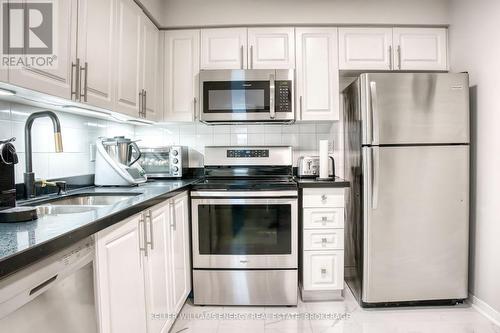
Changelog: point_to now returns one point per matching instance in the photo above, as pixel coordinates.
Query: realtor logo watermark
(28, 36)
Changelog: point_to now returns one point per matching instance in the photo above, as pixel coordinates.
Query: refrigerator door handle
(374, 113)
(375, 170)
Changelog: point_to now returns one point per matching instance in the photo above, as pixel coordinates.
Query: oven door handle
(272, 86)
(245, 194)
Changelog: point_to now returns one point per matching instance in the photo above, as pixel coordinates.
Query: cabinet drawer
(324, 239)
(323, 197)
(323, 270)
(323, 218)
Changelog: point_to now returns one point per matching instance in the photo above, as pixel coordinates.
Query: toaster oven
(164, 162)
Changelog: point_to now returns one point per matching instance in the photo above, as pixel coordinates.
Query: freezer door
(413, 108)
(415, 222)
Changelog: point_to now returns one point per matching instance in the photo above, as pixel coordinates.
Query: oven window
(236, 97)
(155, 162)
(245, 229)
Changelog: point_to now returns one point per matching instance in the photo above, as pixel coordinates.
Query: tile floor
(331, 317)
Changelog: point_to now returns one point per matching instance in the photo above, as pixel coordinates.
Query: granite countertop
(21, 244)
(313, 182)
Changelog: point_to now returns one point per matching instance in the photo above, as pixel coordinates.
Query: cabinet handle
(390, 57)
(251, 57)
(399, 56)
(149, 217)
(140, 103)
(144, 103)
(85, 69)
(194, 109)
(145, 248)
(173, 222)
(324, 240)
(324, 218)
(300, 106)
(241, 55)
(76, 77)
(323, 271)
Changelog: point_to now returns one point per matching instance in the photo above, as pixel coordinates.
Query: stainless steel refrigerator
(407, 212)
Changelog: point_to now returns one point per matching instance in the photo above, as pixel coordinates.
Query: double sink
(79, 203)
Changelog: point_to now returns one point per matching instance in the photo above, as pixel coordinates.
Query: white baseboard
(485, 309)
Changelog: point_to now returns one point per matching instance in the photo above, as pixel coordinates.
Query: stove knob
(175, 161)
(175, 152)
(175, 169)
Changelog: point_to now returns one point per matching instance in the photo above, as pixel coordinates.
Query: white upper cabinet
(151, 73)
(120, 277)
(365, 48)
(317, 74)
(271, 48)
(224, 48)
(182, 66)
(54, 81)
(95, 51)
(421, 48)
(128, 58)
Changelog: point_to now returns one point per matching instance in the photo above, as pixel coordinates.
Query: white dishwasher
(54, 295)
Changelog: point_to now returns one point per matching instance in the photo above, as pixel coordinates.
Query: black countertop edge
(314, 183)
(16, 262)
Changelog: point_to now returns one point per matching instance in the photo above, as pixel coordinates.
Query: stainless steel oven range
(245, 225)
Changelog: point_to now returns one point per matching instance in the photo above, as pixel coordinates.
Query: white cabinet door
(421, 48)
(128, 57)
(324, 270)
(224, 48)
(182, 66)
(317, 74)
(180, 244)
(56, 81)
(157, 268)
(120, 277)
(271, 48)
(365, 48)
(151, 72)
(95, 48)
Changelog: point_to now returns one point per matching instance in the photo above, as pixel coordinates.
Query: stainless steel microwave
(255, 95)
(164, 162)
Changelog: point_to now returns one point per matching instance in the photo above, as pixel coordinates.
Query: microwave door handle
(272, 111)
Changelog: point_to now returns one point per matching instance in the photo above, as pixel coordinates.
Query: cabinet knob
(323, 271)
(323, 197)
(324, 218)
(324, 240)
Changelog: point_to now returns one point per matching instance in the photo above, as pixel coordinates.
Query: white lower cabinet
(322, 242)
(143, 269)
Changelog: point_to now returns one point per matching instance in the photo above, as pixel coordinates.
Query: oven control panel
(246, 153)
(283, 96)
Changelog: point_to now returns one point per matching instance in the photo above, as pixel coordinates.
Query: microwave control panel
(283, 96)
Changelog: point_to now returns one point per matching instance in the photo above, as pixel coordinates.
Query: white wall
(77, 133)
(181, 13)
(475, 47)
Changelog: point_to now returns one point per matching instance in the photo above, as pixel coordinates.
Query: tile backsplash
(77, 132)
(80, 132)
(303, 137)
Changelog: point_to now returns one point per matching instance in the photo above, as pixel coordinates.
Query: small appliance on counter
(116, 162)
(8, 210)
(164, 162)
(308, 167)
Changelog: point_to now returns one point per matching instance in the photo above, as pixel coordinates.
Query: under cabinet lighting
(86, 111)
(6, 92)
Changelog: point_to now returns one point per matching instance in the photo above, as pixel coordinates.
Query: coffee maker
(8, 159)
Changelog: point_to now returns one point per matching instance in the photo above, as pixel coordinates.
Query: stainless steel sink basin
(60, 210)
(89, 199)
